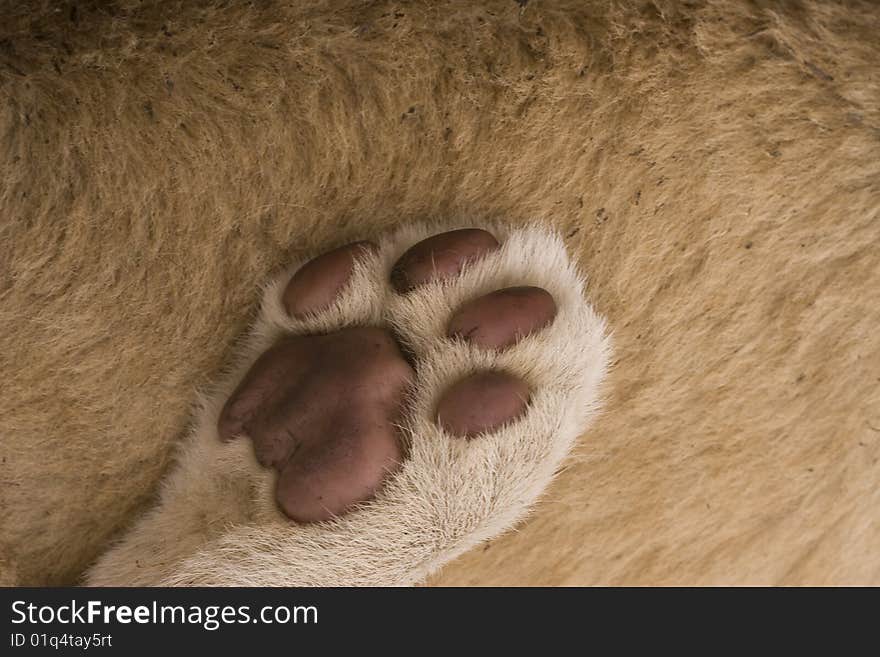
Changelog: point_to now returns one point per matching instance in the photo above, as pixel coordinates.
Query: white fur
(217, 523)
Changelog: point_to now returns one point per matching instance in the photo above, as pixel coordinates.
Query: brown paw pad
(502, 318)
(317, 283)
(321, 410)
(482, 402)
(440, 256)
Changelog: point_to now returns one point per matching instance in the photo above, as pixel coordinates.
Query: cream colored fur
(713, 165)
(217, 522)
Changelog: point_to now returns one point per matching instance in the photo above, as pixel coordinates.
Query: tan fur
(715, 166)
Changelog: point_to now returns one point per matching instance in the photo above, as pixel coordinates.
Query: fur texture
(217, 521)
(714, 165)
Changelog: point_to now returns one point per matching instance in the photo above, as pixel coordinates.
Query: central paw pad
(321, 410)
